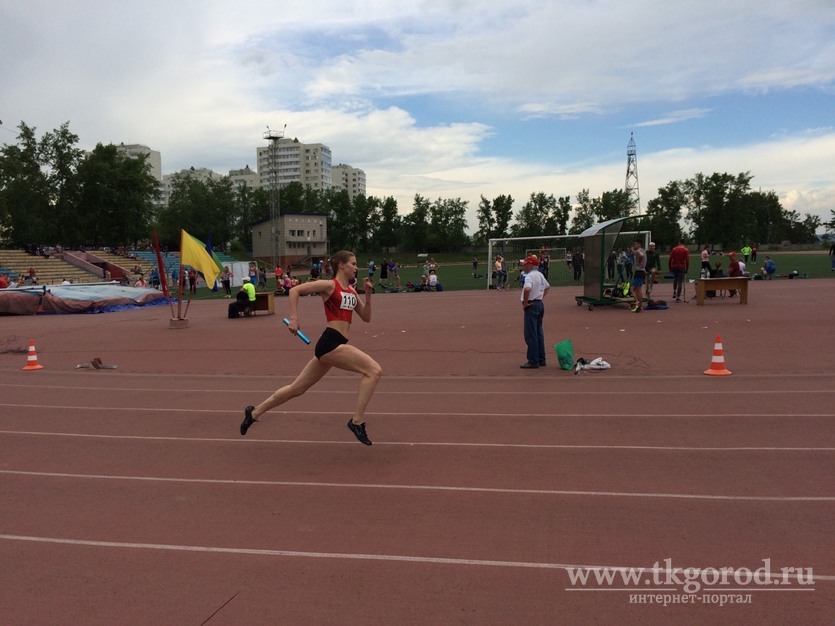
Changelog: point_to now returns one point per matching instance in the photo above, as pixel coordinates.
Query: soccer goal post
(561, 257)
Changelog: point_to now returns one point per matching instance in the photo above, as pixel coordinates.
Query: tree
(339, 211)
(536, 217)
(200, 208)
(717, 209)
(486, 222)
(562, 213)
(115, 197)
(613, 205)
(416, 226)
(24, 190)
(663, 216)
(447, 225)
(584, 213)
(387, 235)
(503, 213)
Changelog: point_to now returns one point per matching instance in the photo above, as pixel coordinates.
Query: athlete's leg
(309, 376)
(347, 357)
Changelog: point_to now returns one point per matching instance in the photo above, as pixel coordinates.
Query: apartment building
(307, 163)
(351, 179)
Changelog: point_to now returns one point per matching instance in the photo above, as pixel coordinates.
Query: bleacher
(48, 271)
(148, 259)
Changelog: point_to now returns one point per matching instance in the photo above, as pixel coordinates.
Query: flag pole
(162, 279)
(179, 321)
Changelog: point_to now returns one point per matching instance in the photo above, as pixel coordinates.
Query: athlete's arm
(363, 309)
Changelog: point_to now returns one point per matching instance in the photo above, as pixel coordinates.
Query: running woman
(332, 349)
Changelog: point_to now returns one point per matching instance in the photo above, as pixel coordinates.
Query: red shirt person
(679, 264)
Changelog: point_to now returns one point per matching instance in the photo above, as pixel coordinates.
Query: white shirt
(536, 283)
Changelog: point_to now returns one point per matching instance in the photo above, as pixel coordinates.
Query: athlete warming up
(332, 349)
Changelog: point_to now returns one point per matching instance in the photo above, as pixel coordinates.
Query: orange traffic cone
(32, 359)
(717, 364)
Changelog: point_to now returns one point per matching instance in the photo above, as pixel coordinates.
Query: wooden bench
(740, 283)
(264, 301)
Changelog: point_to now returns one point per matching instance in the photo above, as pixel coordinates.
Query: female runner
(332, 349)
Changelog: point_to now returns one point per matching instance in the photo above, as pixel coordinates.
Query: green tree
(663, 215)
(584, 213)
(416, 226)
(503, 214)
(387, 235)
(448, 225)
(340, 215)
(717, 208)
(536, 217)
(200, 208)
(613, 205)
(24, 190)
(563, 211)
(486, 222)
(115, 198)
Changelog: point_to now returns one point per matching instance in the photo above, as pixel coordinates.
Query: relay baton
(299, 333)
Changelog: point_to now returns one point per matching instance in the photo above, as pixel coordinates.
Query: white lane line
(445, 488)
(367, 557)
(450, 444)
(123, 409)
(458, 392)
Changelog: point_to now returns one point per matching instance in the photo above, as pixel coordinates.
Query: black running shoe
(248, 420)
(359, 432)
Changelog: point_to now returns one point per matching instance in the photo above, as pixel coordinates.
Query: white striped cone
(32, 359)
(717, 363)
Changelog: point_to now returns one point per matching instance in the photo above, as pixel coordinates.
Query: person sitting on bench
(244, 301)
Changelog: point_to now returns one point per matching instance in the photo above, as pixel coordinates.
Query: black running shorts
(330, 340)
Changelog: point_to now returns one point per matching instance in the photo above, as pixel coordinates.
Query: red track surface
(128, 496)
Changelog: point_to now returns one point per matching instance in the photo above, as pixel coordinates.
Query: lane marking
(444, 488)
(440, 392)
(435, 560)
(450, 444)
(63, 407)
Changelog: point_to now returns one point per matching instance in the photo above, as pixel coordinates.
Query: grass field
(456, 273)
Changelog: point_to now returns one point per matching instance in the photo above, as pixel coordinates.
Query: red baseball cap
(531, 260)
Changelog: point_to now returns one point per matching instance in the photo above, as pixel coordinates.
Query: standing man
(678, 264)
(534, 290)
(639, 277)
(653, 266)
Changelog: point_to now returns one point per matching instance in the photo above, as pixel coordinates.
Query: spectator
(734, 270)
(244, 299)
(226, 281)
(704, 272)
(639, 278)
(4, 282)
(746, 252)
(192, 280)
(768, 268)
(610, 265)
(832, 254)
(141, 282)
(679, 264)
(533, 291)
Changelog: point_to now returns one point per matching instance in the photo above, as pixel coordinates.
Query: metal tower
(632, 174)
(274, 136)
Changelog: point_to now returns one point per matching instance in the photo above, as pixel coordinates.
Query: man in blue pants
(534, 290)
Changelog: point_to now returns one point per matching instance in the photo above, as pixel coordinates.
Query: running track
(129, 497)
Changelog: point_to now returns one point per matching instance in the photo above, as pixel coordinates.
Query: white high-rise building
(351, 179)
(135, 150)
(306, 163)
(200, 173)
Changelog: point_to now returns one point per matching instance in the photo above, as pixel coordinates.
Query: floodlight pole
(274, 137)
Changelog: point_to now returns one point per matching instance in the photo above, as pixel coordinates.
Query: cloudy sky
(448, 98)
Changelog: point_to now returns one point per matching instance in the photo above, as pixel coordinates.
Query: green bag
(565, 354)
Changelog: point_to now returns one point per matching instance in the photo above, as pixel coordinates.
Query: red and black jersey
(341, 303)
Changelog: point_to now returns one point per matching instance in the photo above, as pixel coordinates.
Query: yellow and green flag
(193, 252)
